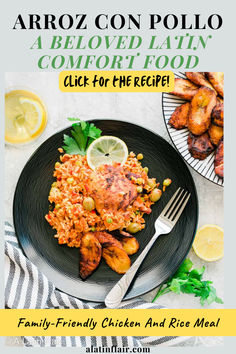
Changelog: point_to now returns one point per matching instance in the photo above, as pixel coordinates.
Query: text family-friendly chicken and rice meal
(99, 198)
(203, 115)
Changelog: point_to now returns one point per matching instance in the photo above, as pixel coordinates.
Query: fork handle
(116, 294)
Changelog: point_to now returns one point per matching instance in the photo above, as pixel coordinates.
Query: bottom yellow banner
(185, 322)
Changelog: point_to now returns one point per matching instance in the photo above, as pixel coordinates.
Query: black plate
(59, 262)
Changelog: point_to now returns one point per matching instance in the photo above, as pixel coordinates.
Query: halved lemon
(33, 114)
(25, 117)
(209, 243)
(106, 150)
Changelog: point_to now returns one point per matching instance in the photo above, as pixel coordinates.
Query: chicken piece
(218, 114)
(179, 118)
(200, 146)
(200, 112)
(219, 159)
(217, 80)
(199, 79)
(184, 89)
(90, 254)
(215, 134)
(111, 189)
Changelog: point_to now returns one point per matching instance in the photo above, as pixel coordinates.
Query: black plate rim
(126, 297)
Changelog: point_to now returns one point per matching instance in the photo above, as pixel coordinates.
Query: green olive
(140, 156)
(146, 169)
(167, 182)
(109, 220)
(151, 183)
(139, 189)
(133, 227)
(57, 164)
(139, 180)
(70, 180)
(155, 195)
(93, 228)
(88, 204)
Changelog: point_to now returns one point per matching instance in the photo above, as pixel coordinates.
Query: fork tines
(176, 205)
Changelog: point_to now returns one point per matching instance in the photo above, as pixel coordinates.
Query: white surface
(141, 108)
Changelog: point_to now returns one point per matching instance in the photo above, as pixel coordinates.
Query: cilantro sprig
(83, 134)
(189, 281)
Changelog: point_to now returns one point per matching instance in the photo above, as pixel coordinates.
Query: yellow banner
(116, 81)
(185, 322)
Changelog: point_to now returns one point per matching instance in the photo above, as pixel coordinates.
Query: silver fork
(163, 225)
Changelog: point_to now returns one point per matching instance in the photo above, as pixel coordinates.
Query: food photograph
(115, 199)
(194, 116)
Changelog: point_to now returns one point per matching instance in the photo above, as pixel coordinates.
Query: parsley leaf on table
(83, 134)
(190, 281)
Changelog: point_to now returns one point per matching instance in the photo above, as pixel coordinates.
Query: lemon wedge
(106, 150)
(25, 117)
(209, 243)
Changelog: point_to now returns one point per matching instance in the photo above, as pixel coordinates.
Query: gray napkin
(28, 288)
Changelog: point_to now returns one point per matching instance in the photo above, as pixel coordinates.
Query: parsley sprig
(190, 281)
(83, 134)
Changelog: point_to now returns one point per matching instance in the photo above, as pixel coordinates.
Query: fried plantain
(90, 255)
(200, 146)
(179, 118)
(105, 238)
(184, 89)
(128, 241)
(215, 133)
(219, 159)
(130, 245)
(217, 80)
(218, 114)
(116, 258)
(200, 79)
(113, 252)
(202, 105)
(124, 233)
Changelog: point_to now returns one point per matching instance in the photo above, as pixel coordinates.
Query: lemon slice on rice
(209, 243)
(106, 150)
